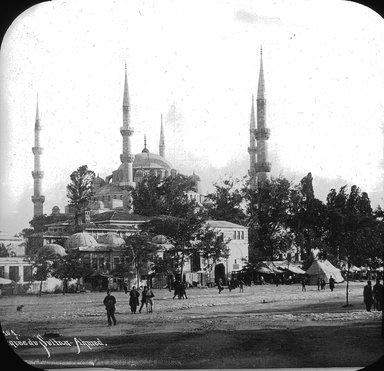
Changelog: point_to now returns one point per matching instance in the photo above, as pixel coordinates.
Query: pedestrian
(378, 291)
(143, 299)
(134, 299)
(303, 288)
(125, 288)
(322, 284)
(182, 291)
(149, 303)
(220, 285)
(331, 283)
(318, 283)
(109, 302)
(368, 296)
(229, 284)
(277, 279)
(241, 285)
(177, 290)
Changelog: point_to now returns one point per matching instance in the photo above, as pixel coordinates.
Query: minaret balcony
(126, 131)
(38, 199)
(37, 150)
(262, 134)
(37, 174)
(263, 167)
(127, 158)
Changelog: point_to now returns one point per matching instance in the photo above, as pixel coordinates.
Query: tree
(163, 196)
(353, 231)
(80, 189)
(69, 267)
(268, 215)
(227, 202)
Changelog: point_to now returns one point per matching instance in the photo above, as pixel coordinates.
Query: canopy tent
(5, 281)
(323, 269)
(296, 270)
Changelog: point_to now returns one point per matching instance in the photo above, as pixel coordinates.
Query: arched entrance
(220, 273)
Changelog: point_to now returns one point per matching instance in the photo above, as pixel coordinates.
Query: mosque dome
(111, 239)
(98, 180)
(108, 189)
(147, 160)
(51, 248)
(80, 239)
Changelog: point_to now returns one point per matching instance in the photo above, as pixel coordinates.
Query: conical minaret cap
(37, 119)
(261, 86)
(126, 91)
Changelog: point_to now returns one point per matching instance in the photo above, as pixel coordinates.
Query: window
(14, 274)
(234, 235)
(27, 270)
(116, 261)
(242, 235)
(2, 273)
(238, 235)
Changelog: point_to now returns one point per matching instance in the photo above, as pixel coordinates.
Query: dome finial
(145, 149)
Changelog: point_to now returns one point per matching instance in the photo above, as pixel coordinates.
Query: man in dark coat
(378, 291)
(134, 299)
(368, 296)
(331, 283)
(109, 302)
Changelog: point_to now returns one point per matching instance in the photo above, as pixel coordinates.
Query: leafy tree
(268, 215)
(80, 189)
(168, 196)
(69, 267)
(227, 202)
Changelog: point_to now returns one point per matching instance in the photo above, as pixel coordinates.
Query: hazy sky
(197, 63)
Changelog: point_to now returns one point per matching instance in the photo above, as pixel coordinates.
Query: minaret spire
(252, 148)
(162, 142)
(262, 133)
(37, 198)
(127, 157)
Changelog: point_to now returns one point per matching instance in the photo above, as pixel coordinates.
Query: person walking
(109, 303)
(143, 299)
(182, 291)
(149, 303)
(331, 283)
(134, 299)
(303, 288)
(220, 285)
(125, 288)
(368, 296)
(241, 285)
(378, 291)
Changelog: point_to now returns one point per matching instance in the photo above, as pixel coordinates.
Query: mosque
(110, 215)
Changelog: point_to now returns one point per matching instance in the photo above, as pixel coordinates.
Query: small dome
(195, 177)
(55, 209)
(111, 239)
(51, 248)
(79, 240)
(160, 239)
(98, 180)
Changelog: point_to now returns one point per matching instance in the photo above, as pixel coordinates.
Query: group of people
(134, 295)
(373, 296)
(180, 290)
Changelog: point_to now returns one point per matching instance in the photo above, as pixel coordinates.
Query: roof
(108, 189)
(147, 160)
(324, 267)
(117, 215)
(79, 240)
(111, 239)
(52, 248)
(224, 224)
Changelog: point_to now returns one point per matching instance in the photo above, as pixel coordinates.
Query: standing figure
(109, 302)
(144, 299)
(241, 285)
(125, 288)
(262, 280)
(318, 283)
(322, 284)
(378, 291)
(303, 288)
(177, 290)
(182, 291)
(220, 285)
(331, 283)
(149, 303)
(367, 294)
(133, 299)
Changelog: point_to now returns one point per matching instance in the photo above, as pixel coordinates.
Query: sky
(196, 63)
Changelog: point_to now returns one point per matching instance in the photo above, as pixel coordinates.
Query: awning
(264, 270)
(296, 270)
(5, 281)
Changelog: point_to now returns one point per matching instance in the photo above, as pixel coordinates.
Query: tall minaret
(252, 149)
(126, 131)
(37, 198)
(162, 142)
(263, 167)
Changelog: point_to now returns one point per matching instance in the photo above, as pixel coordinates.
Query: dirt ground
(263, 327)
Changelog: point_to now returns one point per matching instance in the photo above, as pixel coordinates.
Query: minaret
(252, 149)
(126, 131)
(263, 167)
(37, 198)
(162, 142)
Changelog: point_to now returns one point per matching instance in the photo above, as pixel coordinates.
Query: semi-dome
(79, 240)
(51, 248)
(111, 239)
